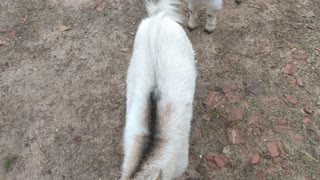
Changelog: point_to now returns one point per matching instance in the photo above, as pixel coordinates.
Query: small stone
(209, 99)
(296, 25)
(308, 14)
(256, 88)
(63, 28)
(2, 42)
(100, 7)
(125, 49)
(253, 119)
(308, 110)
(273, 150)
(222, 102)
(289, 69)
(226, 150)
(299, 81)
(255, 159)
(234, 136)
(220, 161)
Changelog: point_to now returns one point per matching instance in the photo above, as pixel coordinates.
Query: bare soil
(62, 89)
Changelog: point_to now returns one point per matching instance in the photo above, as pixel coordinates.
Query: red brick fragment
(300, 57)
(282, 122)
(220, 161)
(269, 99)
(209, 99)
(228, 88)
(290, 99)
(255, 159)
(273, 150)
(222, 102)
(236, 114)
(292, 81)
(289, 69)
(295, 137)
(210, 164)
(305, 120)
(209, 157)
(234, 136)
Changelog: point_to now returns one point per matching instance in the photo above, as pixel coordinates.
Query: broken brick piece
(292, 100)
(289, 69)
(273, 149)
(210, 164)
(236, 114)
(255, 159)
(234, 136)
(222, 102)
(220, 161)
(209, 99)
(305, 120)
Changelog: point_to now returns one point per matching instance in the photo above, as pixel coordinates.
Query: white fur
(163, 58)
(213, 6)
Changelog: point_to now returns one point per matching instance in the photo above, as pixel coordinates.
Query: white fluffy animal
(213, 6)
(160, 89)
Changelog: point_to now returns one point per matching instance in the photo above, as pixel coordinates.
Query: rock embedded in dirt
(273, 149)
(210, 99)
(209, 157)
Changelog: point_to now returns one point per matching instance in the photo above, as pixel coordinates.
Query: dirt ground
(62, 89)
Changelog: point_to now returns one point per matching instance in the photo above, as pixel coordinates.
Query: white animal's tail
(168, 7)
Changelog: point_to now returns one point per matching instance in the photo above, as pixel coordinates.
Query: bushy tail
(168, 7)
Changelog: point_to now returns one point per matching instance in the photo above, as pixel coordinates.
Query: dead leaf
(101, 6)
(64, 28)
